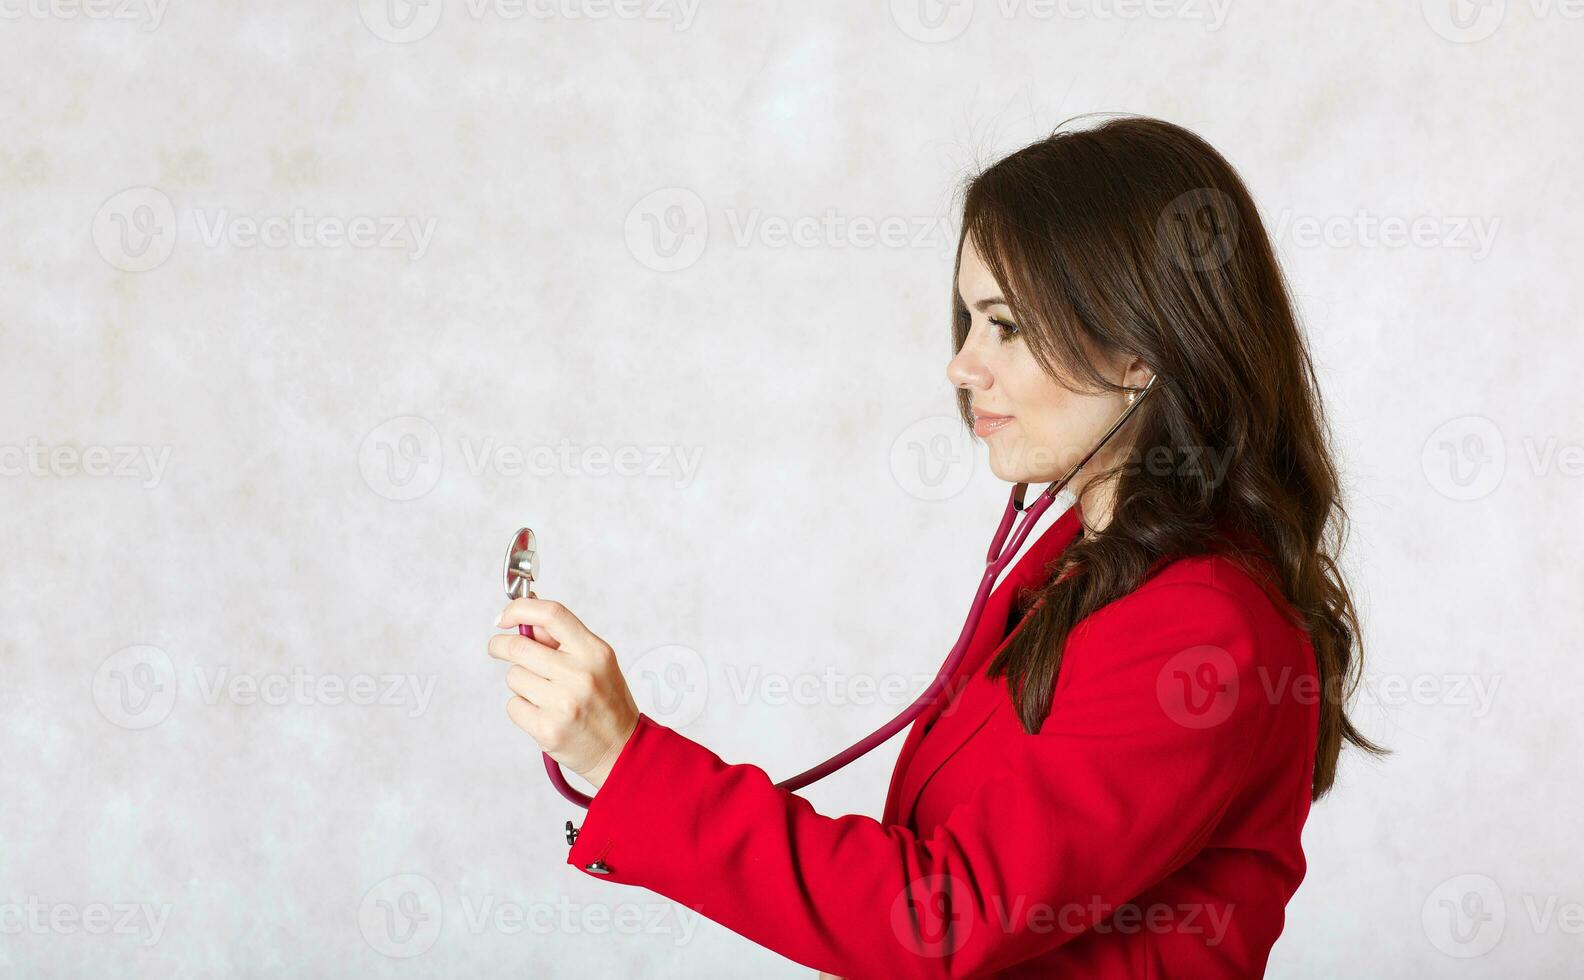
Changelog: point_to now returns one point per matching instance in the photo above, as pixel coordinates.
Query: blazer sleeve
(1121, 786)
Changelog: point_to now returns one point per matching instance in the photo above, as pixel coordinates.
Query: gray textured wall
(609, 275)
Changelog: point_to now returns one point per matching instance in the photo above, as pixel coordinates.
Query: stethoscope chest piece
(518, 574)
(522, 564)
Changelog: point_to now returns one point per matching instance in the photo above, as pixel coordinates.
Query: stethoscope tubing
(1000, 554)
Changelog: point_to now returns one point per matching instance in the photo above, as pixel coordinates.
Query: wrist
(601, 770)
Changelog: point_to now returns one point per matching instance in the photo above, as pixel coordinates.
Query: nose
(966, 370)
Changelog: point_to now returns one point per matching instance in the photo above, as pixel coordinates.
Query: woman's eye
(1008, 330)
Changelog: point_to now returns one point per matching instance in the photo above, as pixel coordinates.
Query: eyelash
(1007, 328)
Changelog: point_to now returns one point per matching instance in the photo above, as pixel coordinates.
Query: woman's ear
(1138, 374)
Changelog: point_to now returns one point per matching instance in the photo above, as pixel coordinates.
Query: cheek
(1026, 390)
(1058, 424)
(1037, 399)
(1052, 429)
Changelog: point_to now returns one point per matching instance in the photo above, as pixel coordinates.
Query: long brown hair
(1137, 238)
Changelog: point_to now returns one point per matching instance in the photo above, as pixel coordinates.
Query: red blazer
(1149, 829)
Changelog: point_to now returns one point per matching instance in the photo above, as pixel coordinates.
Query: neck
(1097, 503)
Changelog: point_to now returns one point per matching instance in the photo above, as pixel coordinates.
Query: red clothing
(1151, 828)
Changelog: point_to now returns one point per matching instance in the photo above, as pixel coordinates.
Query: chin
(1017, 463)
(1010, 473)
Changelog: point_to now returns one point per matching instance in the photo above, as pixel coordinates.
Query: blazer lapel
(970, 698)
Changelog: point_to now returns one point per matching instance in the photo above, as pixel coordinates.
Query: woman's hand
(570, 694)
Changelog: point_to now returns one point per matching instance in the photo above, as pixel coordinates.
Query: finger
(536, 690)
(544, 614)
(524, 715)
(543, 636)
(540, 634)
(556, 619)
(520, 650)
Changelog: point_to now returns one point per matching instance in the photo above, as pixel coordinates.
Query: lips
(986, 423)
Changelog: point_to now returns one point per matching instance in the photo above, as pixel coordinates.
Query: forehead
(975, 281)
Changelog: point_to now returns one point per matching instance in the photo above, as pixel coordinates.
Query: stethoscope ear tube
(522, 566)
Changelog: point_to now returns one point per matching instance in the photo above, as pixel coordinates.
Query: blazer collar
(970, 698)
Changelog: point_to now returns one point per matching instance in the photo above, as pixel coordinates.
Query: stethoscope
(522, 569)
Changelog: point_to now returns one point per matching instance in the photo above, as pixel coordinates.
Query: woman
(1117, 784)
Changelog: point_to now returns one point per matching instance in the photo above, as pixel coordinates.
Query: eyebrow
(990, 301)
